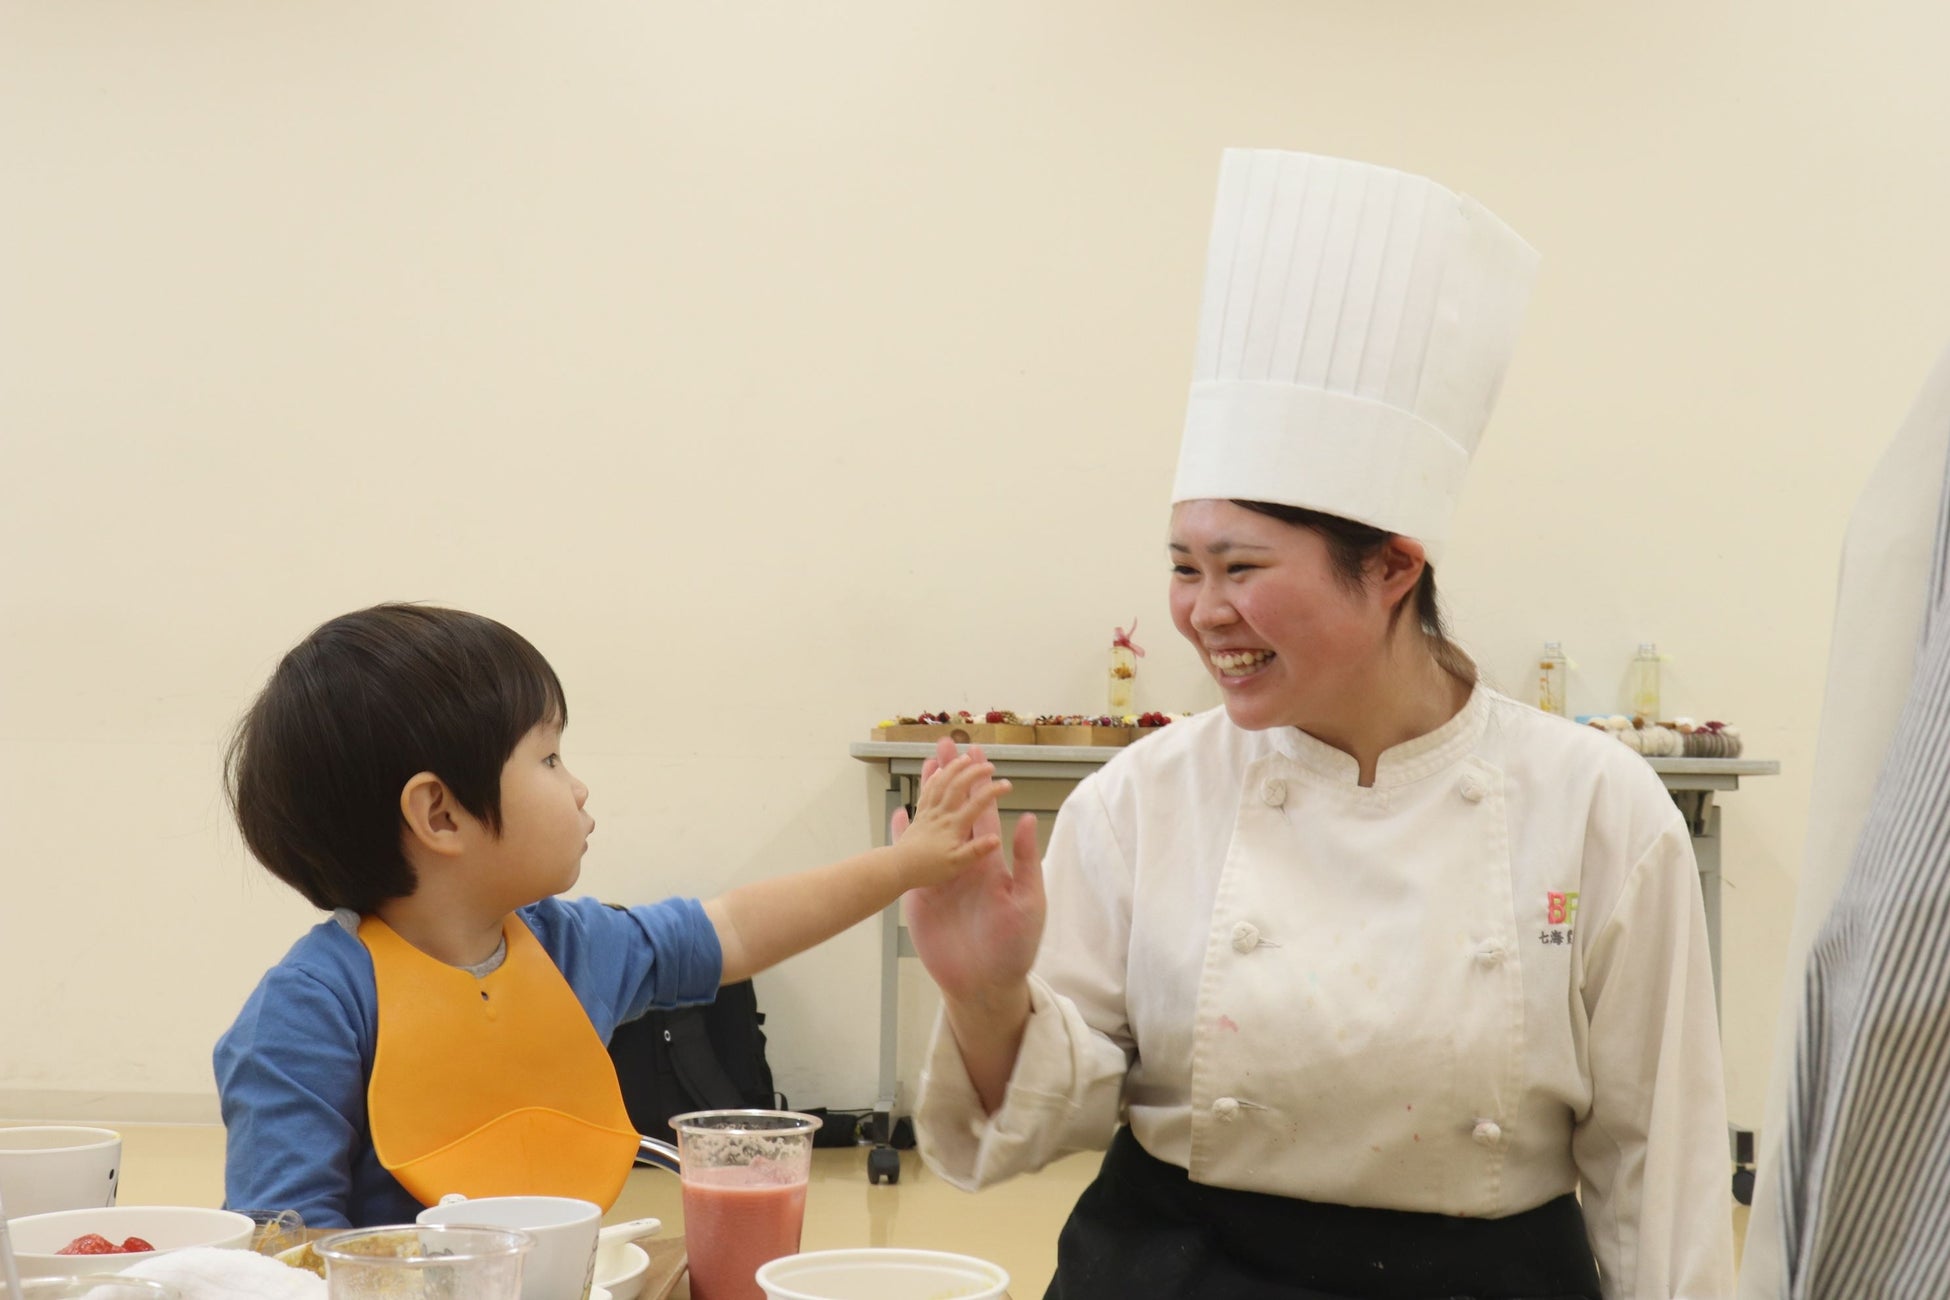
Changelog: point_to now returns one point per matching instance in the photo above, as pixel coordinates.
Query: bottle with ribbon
(1124, 654)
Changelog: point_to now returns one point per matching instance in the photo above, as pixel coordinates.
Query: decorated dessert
(1648, 738)
(1708, 739)
(1006, 727)
(1681, 738)
(1081, 729)
(993, 727)
(928, 726)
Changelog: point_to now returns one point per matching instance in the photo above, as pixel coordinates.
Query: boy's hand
(942, 841)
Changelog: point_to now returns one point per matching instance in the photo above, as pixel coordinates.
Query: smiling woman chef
(1376, 983)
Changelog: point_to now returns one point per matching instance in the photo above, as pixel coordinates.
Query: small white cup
(563, 1263)
(44, 1168)
(881, 1273)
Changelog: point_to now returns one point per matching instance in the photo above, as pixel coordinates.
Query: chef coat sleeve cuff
(1063, 1096)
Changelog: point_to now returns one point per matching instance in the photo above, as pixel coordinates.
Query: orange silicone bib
(495, 1085)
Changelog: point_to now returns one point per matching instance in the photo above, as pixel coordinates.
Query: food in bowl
(39, 1239)
(303, 1257)
(93, 1243)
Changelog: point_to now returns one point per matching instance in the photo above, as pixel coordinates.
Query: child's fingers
(980, 801)
(898, 827)
(941, 785)
(969, 790)
(974, 850)
(961, 777)
(944, 754)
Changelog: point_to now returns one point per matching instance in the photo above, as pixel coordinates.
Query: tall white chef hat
(1356, 325)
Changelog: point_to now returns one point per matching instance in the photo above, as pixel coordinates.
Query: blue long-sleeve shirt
(292, 1071)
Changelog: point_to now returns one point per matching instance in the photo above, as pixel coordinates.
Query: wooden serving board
(667, 1261)
(660, 1281)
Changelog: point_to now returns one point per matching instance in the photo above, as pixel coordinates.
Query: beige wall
(775, 367)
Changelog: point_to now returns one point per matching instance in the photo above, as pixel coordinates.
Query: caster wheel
(883, 1164)
(1743, 1186)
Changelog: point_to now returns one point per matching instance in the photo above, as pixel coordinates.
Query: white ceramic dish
(563, 1258)
(49, 1167)
(599, 1293)
(620, 1269)
(882, 1273)
(37, 1237)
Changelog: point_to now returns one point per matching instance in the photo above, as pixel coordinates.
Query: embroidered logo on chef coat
(1560, 917)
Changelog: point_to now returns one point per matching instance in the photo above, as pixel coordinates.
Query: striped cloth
(1862, 1178)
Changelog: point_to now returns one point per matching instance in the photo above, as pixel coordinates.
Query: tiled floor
(1014, 1224)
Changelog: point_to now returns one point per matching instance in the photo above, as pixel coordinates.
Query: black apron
(1144, 1229)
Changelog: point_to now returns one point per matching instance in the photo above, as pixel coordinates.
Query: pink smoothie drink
(736, 1219)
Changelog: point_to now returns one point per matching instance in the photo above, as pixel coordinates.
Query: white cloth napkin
(206, 1273)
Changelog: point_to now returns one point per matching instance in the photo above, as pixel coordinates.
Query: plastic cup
(277, 1230)
(744, 1175)
(415, 1262)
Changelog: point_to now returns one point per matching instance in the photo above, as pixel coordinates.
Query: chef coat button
(1226, 1109)
(1473, 789)
(1487, 1133)
(1245, 937)
(1274, 793)
(1491, 955)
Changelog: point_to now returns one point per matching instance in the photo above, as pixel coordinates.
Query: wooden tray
(667, 1261)
(660, 1280)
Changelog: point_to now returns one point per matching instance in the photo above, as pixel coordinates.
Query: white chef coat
(1479, 984)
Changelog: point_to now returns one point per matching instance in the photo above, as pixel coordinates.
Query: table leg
(883, 1162)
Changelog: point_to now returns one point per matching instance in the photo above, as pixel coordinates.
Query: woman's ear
(433, 817)
(1398, 568)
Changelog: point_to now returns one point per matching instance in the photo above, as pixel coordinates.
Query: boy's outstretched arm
(763, 923)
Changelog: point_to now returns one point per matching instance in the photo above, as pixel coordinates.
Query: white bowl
(44, 1168)
(880, 1273)
(620, 1268)
(166, 1227)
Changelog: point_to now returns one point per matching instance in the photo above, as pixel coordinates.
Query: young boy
(444, 1031)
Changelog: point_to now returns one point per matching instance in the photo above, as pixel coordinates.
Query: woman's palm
(979, 931)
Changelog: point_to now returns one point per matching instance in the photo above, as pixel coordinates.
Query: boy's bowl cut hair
(356, 709)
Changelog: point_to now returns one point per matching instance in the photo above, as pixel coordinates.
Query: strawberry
(91, 1244)
(132, 1245)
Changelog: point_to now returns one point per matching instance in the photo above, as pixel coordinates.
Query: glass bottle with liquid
(1124, 654)
(1553, 672)
(1645, 682)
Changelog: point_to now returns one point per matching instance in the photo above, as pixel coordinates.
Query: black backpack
(707, 1057)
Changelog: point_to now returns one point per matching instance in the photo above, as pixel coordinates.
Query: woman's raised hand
(977, 932)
